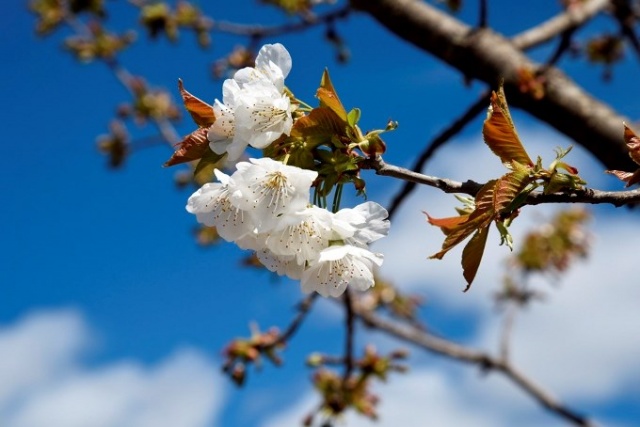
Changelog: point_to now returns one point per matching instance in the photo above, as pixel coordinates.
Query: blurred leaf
(633, 144)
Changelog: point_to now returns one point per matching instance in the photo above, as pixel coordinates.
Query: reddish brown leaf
(192, 147)
(458, 235)
(447, 225)
(479, 218)
(629, 177)
(201, 112)
(500, 133)
(472, 255)
(508, 187)
(633, 144)
(320, 122)
(329, 98)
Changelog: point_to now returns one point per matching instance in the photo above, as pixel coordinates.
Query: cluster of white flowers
(255, 109)
(264, 206)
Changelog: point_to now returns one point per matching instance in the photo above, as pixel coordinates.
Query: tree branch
(588, 195)
(303, 309)
(572, 18)
(259, 31)
(472, 112)
(349, 332)
(485, 361)
(485, 55)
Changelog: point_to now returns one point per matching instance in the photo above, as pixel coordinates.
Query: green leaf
(500, 135)
(206, 165)
(353, 117)
(472, 255)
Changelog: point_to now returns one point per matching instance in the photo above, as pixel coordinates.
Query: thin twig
(482, 359)
(483, 20)
(573, 17)
(456, 127)
(259, 31)
(349, 332)
(589, 196)
(507, 328)
(563, 47)
(303, 309)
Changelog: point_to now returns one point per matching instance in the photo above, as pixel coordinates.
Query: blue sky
(102, 275)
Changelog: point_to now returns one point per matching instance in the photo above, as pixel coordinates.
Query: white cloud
(45, 382)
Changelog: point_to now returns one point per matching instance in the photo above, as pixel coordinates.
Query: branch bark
(588, 195)
(482, 359)
(488, 56)
(570, 19)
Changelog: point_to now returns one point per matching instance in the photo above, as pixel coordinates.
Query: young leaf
(633, 144)
(201, 112)
(447, 225)
(508, 187)
(329, 98)
(457, 229)
(472, 255)
(353, 117)
(206, 165)
(320, 122)
(500, 134)
(192, 147)
(629, 177)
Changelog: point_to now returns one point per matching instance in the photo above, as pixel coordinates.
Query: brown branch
(259, 31)
(303, 309)
(563, 47)
(589, 196)
(485, 55)
(349, 332)
(507, 328)
(482, 359)
(457, 126)
(572, 18)
(483, 20)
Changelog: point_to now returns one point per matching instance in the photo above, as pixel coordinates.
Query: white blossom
(262, 114)
(363, 224)
(273, 64)
(212, 206)
(338, 266)
(303, 234)
(268, 189)
(254, 110)
(281, 264)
